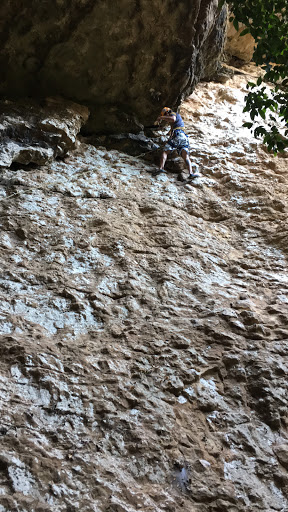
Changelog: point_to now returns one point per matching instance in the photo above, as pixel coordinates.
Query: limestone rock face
(143, 322)
(30, 133)
(238, 46)
(124, 60)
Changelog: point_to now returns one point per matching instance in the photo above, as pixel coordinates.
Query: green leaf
(245, 31)
(236, 24)
(247, 125)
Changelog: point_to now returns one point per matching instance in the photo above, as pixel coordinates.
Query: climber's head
(166, 111)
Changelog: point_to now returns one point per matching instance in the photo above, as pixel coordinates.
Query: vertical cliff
(143, 323)
(124, 60)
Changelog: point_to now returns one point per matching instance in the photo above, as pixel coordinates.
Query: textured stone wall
(124, 59)
(239, 46)
(143, 324)
(33, 133)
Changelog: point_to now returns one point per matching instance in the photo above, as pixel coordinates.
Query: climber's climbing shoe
(159, 171)
(193, 176)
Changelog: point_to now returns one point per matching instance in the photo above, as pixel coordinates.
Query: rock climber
(178, 140)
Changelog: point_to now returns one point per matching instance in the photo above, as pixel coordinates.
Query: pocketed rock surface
(144, 327)
(31, 133)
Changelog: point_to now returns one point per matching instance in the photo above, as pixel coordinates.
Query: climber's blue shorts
(178, 142)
